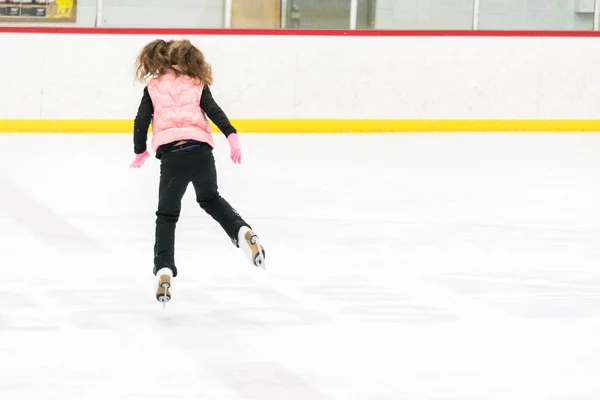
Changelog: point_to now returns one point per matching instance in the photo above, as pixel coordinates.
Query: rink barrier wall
(318, 81)
(294, 32)
(316, 126)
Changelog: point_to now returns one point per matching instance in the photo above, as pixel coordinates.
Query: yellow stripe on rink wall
(318, 126)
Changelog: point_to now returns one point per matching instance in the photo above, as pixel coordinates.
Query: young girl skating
(177, 101)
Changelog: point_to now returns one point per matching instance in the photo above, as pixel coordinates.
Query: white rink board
(449, 267)
(70, 76)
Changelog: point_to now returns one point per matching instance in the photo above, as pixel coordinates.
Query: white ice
(399, 267)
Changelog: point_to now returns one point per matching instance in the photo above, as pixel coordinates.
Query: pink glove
(139, 160)
(236, 149)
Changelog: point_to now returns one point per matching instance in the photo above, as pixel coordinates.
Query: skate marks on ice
(215, 327)
(356, 297)
(216, 306)
(25, 306)
(265, 380)
(37, 304)
(296, 302)
(199, 326)
(314, 375)
(236, 338)
(388, 280)
(253, 354)
(213, 324)
(554, 295)
(43, 222)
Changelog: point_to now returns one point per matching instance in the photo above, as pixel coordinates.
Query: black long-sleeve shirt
(146, 112)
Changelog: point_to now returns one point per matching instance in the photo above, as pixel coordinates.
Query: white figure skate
(249, 243)
(163, 290)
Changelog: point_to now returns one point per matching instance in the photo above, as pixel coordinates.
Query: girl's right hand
(236, 148)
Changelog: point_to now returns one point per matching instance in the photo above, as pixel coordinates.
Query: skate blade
(259, 261)
(256, 249)
(163, 294)
(164, 302)
(259, 258)
(164, 298)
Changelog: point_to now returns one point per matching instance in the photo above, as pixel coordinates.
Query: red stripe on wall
(290, 32)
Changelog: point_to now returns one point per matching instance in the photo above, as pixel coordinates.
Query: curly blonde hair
(179, 56)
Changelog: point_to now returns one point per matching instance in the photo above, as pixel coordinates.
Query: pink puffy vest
(177, 112)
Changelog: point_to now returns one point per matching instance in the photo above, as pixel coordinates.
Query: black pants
(177, 170)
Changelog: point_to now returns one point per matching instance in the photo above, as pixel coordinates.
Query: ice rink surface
(399, 267)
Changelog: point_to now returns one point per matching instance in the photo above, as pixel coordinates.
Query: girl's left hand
(139, 160)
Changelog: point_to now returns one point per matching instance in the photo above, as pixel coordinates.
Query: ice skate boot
(163, 292)
(251, 246)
